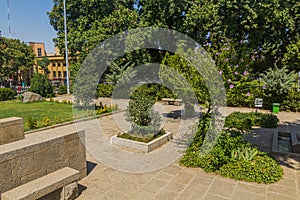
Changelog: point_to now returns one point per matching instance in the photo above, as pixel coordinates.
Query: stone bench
(169, 101)
(61, 185)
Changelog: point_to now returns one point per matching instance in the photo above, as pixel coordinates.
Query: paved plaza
(116, 173)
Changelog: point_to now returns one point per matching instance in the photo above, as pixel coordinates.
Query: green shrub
(222, 151)
(238, 120)
(62, 89)
(277, 82)
(191, 158)
(40, 84)
(232, 157)
(31, 123)
(244, 94)
(141, 115)
(104, 90)
(6, 94)
(291, 101)
(261, 169)
(46, 121)
(244, 121)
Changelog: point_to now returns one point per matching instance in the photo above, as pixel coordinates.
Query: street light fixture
(66, 48)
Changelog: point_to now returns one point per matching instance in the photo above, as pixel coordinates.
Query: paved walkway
(116, 173)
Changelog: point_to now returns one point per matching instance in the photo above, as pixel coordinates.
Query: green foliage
(238, 120)
(31, 123)
(141, 138)
(104, 90)
(221, 152)
(244, 93)
(234, 158)
(116, 71)
(291, 102)
(43, 63)
(40, 84)
(101, 109)
(141, 114)
(62, 89)
(260, 169)
(46, 122)
(244, 153)
(245, 121)
(157, 91)
(7, 94)
(277, 82)
(191, 158)
(16, 58)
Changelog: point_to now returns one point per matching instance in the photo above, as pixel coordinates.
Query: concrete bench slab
(44, 185)
(170, 101)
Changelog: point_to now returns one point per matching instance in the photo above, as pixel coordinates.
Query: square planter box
(144, 147)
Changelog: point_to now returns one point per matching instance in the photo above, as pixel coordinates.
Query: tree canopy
(15, 56)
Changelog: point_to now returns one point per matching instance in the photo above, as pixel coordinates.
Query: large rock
(31, 96)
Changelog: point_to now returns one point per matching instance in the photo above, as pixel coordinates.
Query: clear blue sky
(29, 21)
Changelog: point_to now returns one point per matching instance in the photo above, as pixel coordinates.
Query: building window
(54, 74)
(54, 64)
(65, 74)
(58, 64)
(59, 74)
(64, 64)
(39, 52)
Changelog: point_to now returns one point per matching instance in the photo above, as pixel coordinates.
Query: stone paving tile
(175, 187)
(115, 195)
(222, 187)
(183, 177)
(275, 196)
(279, 189)
(240, 194)
(154, 185)
(252, 187)
(166, 195)
(191, 192)
(142, 195)
(214, 197)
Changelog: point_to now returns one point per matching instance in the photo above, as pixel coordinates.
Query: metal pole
(66, 47)
(8, 19)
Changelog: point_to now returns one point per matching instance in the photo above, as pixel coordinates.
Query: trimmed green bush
(41, 84)
(7, 94)
(262, 169)
(245, 121)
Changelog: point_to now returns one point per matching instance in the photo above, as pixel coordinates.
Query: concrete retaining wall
(40, 154)
(11, 129)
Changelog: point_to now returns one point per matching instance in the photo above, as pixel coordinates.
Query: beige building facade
(57, 64)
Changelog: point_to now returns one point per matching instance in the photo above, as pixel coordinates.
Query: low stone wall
(40, 154)
(11, 129)
(143, 147)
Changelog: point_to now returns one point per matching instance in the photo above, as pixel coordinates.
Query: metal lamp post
(66, 48)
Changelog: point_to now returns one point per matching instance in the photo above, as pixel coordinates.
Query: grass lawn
(38, 111)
